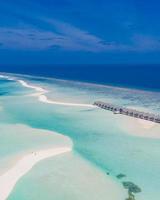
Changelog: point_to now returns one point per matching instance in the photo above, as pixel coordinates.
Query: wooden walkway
(127, 111)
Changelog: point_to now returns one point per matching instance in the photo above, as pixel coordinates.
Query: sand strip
(43, 98)
(38, 89)
(9, 179)
(138, 127)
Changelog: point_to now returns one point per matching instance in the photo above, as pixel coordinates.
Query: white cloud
(68, 37)
(83, 39)
(28, 38)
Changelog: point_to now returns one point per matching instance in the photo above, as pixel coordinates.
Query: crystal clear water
(97, 136)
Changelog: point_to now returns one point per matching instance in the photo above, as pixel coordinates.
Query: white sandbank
(10, 178)
(38, 89)
(138, 127)
(43, 98)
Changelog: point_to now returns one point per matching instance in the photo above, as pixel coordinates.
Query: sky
(79, 32)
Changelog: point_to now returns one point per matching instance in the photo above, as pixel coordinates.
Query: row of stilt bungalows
(127, 111)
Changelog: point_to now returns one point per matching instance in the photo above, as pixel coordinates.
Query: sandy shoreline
(38, 89)
(9, 179)
(43, 98)
(138, 127)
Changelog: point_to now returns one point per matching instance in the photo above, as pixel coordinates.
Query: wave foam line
(43, 98)
(10, 178)
(7, 77)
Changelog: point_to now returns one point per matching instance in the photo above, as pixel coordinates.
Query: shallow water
(97, 135)
(66, 177)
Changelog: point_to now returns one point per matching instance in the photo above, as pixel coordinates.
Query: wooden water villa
(129, 112)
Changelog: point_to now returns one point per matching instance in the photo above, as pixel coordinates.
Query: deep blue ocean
(133, 76)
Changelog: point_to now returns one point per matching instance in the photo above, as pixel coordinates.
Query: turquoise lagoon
(101, 146)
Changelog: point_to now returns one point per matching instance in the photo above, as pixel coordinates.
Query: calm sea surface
(97, 135)
(135, 76)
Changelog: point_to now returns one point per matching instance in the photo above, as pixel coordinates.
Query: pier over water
(127, 111)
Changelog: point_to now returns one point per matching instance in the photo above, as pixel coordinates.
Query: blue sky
(79, 32)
